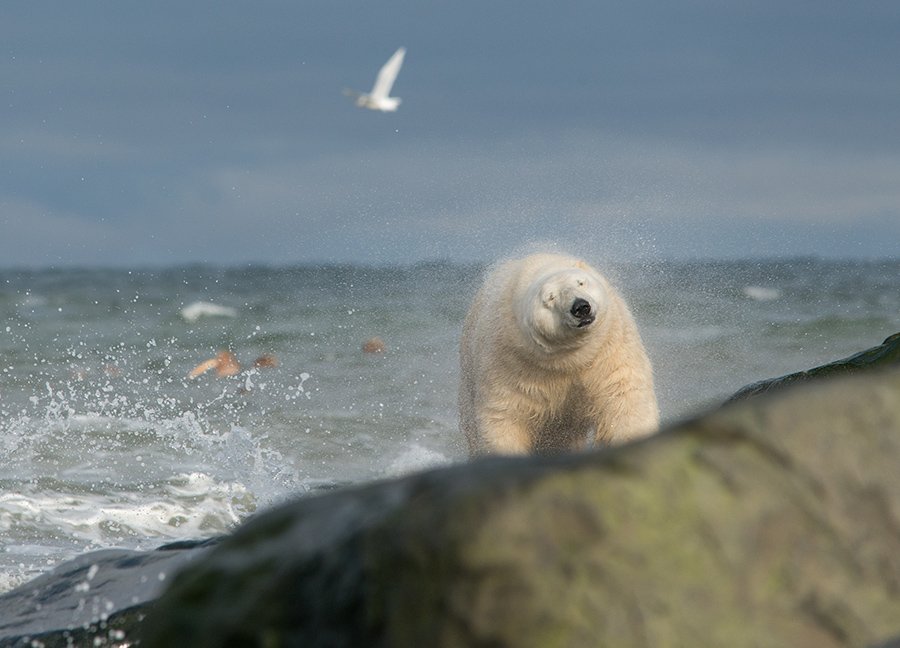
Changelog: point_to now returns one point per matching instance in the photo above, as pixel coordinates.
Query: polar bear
(550, 360)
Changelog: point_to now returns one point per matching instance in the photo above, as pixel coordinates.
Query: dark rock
(97, 599)
(770, 522)
(890, 643)
(885, 355)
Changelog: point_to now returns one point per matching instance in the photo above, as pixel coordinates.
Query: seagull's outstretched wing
(387, 74)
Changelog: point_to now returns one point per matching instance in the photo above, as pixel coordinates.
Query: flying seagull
(378, 98)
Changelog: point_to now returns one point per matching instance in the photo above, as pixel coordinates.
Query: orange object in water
(224, 363)
(373, 345)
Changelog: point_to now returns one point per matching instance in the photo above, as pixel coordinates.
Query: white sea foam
(191, 505)
(194, 311)
(87, 480)
(45, 526)
(761, 293)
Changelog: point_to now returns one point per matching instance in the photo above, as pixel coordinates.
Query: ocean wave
(188, 505)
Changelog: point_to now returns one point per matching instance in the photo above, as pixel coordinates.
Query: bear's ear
(582, 265)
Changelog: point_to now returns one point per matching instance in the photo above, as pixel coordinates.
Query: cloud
(622, 197)
(35, 235)
(627, 129)
(406, 201)
(37, 145)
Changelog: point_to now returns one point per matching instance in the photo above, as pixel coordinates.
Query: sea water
(106, 442)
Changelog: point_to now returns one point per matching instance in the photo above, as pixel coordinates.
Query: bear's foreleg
(630, 414)
(498, 433)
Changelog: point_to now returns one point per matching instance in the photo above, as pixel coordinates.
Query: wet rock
(98, 599)
(887, 354)
(891, 643)
(770, 522)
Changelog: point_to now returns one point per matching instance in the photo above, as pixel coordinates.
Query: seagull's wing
(387, 74)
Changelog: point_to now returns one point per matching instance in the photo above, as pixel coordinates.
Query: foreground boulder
(97, 599)
(772, 522)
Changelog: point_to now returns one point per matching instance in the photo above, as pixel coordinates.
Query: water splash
(114, 451)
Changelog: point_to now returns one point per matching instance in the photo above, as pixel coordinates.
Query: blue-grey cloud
(206, 132)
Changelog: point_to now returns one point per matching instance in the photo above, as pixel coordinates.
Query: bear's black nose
(581, 309)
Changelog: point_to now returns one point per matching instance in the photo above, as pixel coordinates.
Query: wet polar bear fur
(551, 360)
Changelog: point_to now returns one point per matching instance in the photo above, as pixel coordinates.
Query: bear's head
(563, 305)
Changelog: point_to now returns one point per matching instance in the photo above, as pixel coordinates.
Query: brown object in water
(373, 345)
(224, 363)
(266, 360)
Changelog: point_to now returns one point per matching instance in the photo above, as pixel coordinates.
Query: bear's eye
(580, 282)
(549, 297)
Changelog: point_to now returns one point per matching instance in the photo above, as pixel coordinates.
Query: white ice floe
(379, 98)
(193, 312)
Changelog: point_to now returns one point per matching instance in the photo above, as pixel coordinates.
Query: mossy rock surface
(770, 522)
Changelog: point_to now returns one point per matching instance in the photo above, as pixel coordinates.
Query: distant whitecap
(193, 312)
(761, 293)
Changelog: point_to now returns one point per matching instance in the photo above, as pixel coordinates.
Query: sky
(158, 133)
